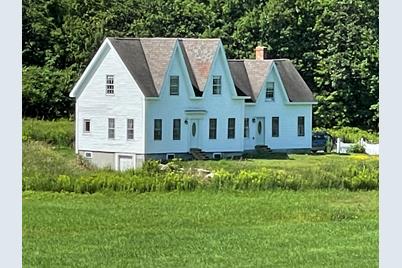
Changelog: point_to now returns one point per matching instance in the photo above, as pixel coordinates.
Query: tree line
(333, 43)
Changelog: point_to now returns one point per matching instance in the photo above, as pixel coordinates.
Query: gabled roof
(240, 78)
(250, 79)
(158, 52)
(131, 53)
(295, 86)
(200, 54)
(147, 60)
(257, 71)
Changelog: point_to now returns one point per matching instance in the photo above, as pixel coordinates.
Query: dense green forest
(333, 43)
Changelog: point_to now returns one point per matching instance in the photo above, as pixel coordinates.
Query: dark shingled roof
(197, 92)
(200, 54)
(239, 74)
(147, 60)
(131, 52)
(257, 71)
(249, 76)
(296, 88)
(158, 52)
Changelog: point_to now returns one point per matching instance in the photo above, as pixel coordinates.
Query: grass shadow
(273, 156)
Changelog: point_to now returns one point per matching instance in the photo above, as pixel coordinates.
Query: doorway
(260, 131)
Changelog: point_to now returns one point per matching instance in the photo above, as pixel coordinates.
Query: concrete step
(198, 154)
(262, 149)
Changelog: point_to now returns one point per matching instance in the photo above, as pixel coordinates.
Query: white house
(158, 98)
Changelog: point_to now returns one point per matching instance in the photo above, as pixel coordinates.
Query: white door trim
(260, 138)
(117, 163)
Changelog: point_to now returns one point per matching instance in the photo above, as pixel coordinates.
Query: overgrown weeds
(58, 132)
(45, 169)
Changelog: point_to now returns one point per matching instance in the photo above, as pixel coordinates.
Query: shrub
(56, 132)
(356, 148)
(151, 166)
(351, 134)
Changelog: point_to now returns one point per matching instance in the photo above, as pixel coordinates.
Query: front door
(194, 136)
(125, 162)
(260, 131)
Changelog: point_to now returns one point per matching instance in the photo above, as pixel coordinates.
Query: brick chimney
(261, 53)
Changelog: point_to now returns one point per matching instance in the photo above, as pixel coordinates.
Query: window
(110, 131)
(130, 129)
(157, 129)
(170, 156)
(246, 127)
(231, 128)
(216, 84)
(300, 126)
(217, 156)
(109, 84)
(212, 128)
(176, 129)
(88, 154)
(269, 93)
(87, 126)
(174, 85)
(275, 126)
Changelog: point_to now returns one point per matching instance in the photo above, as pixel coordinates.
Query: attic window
(109, 84)
(269, 93)
(174, 85)
(216, 85)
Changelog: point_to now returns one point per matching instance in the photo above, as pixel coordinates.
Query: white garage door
(125, 162)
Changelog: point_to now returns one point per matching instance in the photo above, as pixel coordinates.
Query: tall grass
(49, 164)
(46, 169)
(58, 132)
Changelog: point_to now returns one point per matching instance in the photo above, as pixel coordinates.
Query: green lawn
(281, 228)
(292, 162)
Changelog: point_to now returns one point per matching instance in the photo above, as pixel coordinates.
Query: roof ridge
(194, 38)
(124, 38)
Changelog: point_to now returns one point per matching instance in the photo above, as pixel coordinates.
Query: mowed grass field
(281, 228)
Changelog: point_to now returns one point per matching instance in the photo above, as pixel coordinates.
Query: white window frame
(174, 86)
(217, 87)
(130, 129)
(298, 127)
(215, 129)
(109, 84)
(158, 129)
(272, 126)
(231, 128)
(246, 127)
(270, 88)
(111, 128)
(179, 130)
(85, 126)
